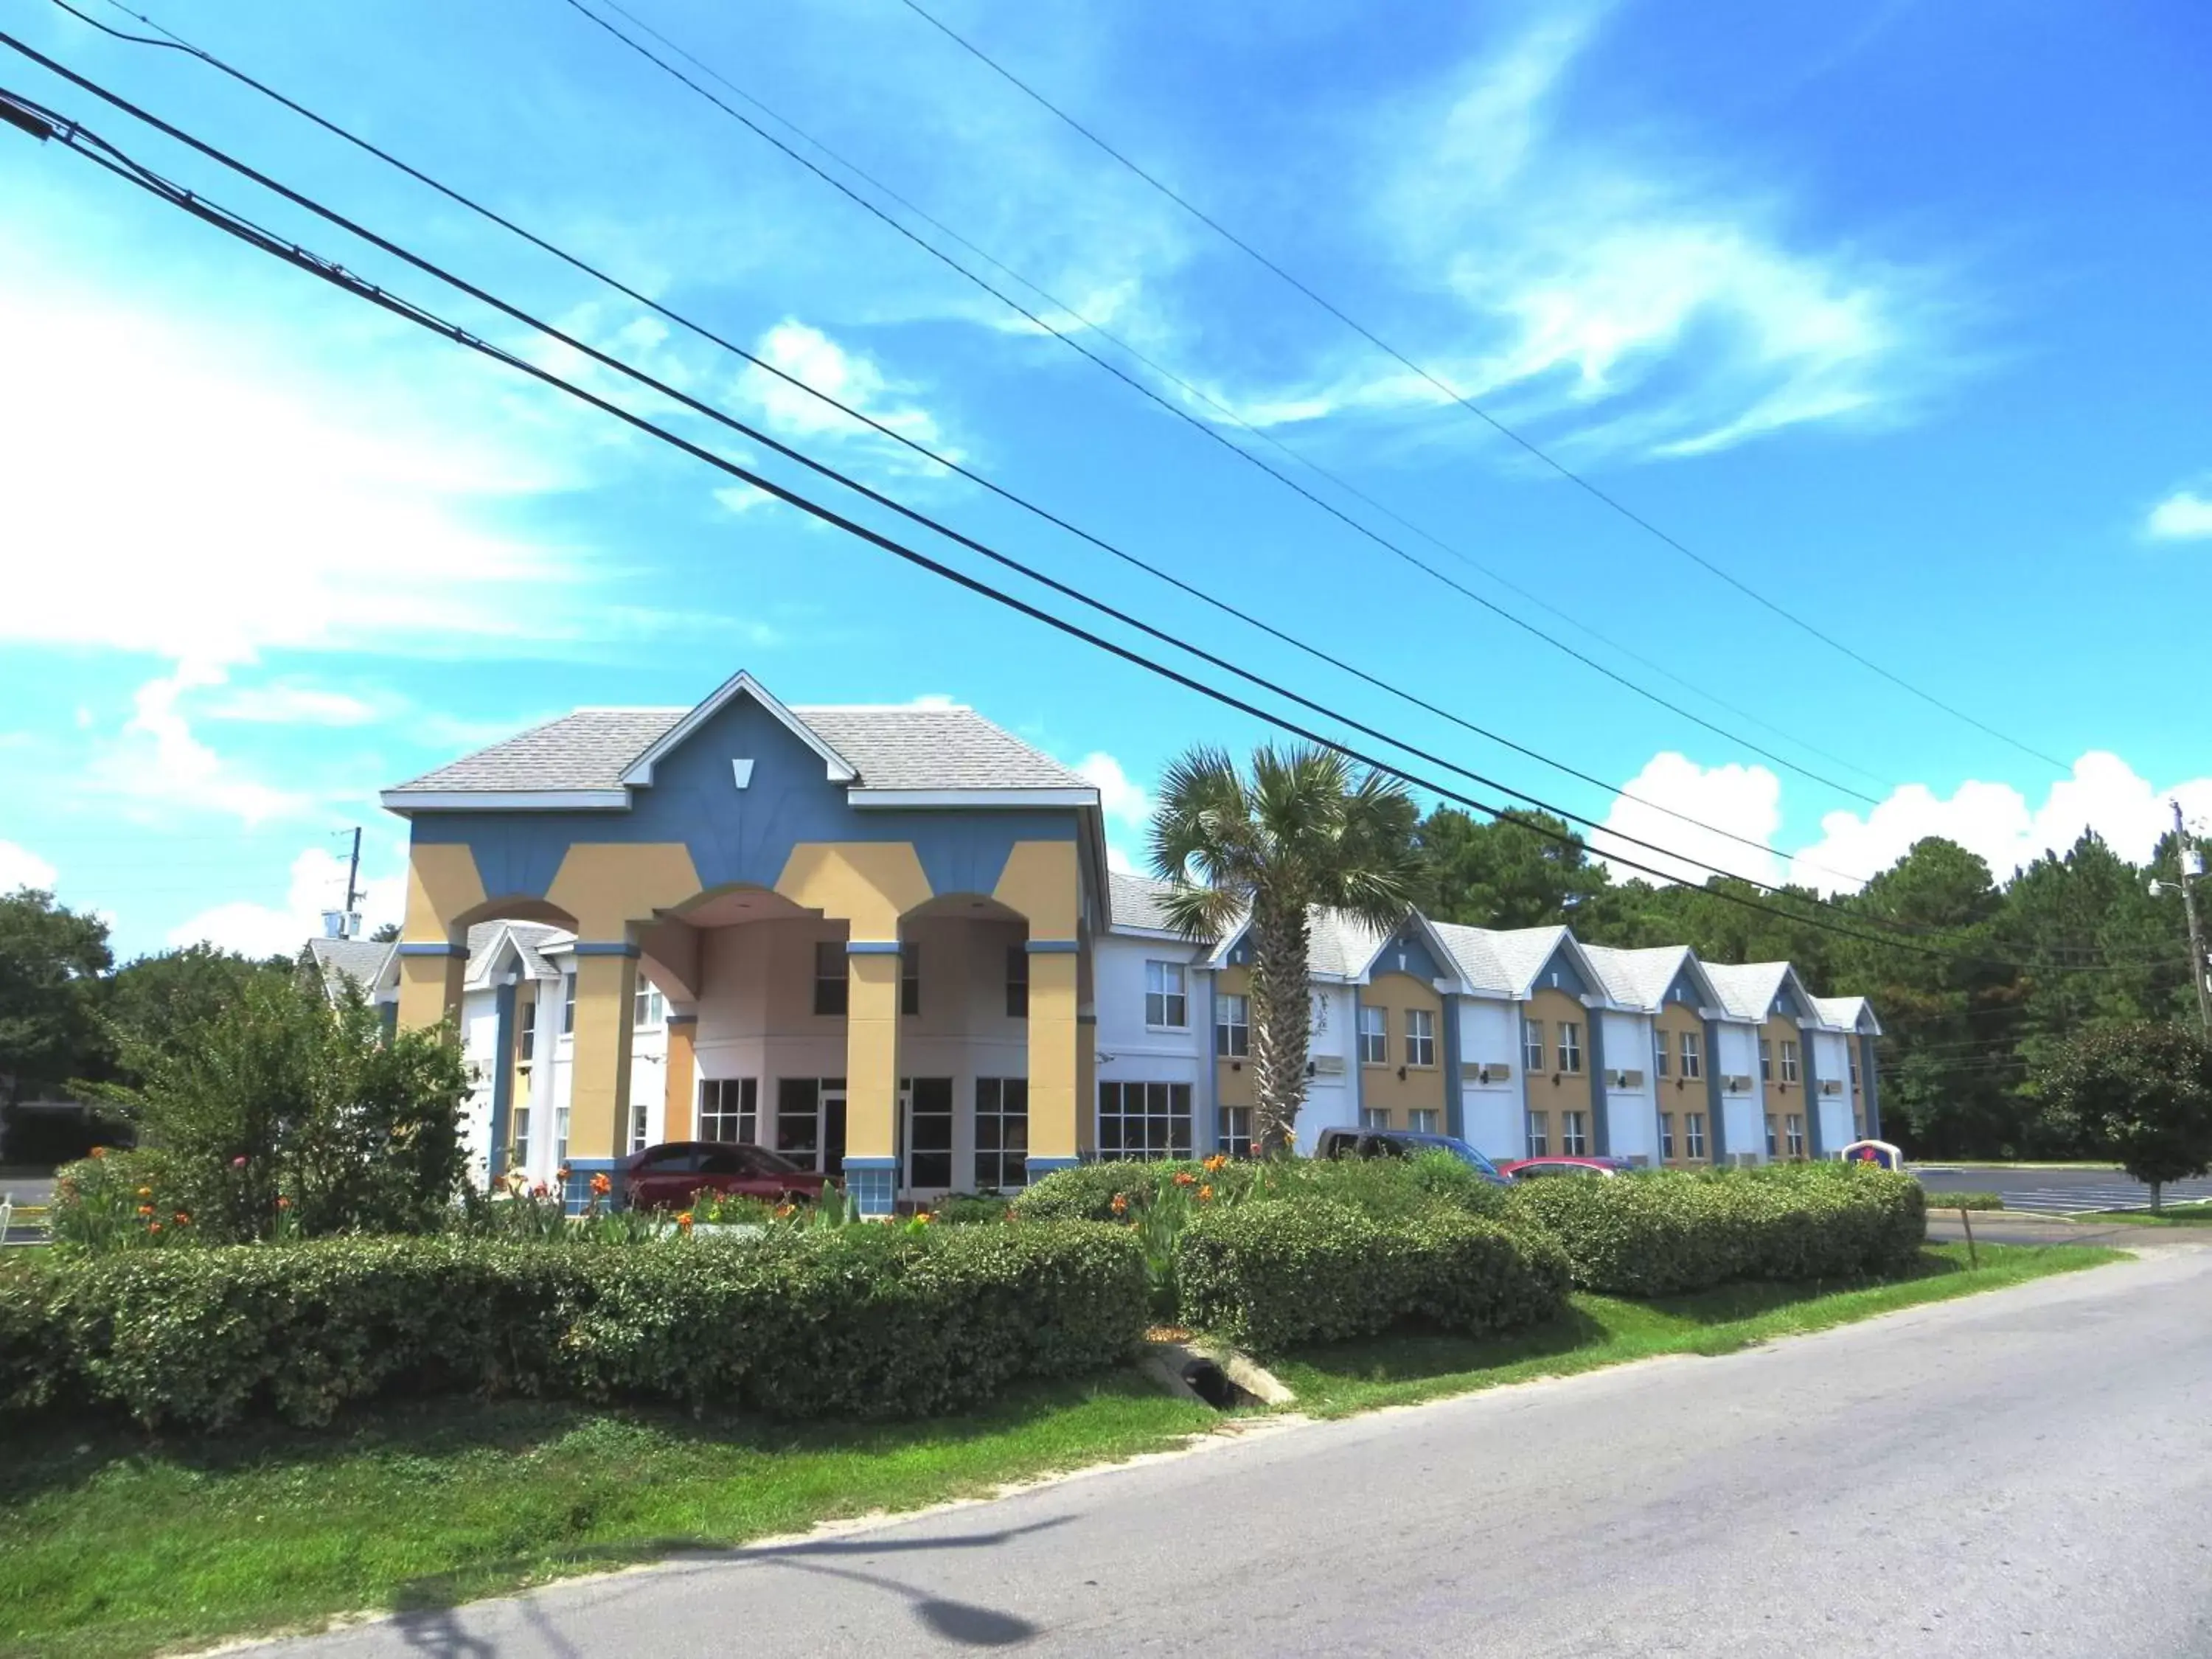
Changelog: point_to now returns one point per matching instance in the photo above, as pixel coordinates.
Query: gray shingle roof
(362, 961)
(1500, 961)
(1747, 989)
(890, 748)
(1134, 902)
(1841, 1011)
(1638, 979)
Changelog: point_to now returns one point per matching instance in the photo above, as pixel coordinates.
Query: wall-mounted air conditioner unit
(1479, 1071)
(1328, 1065)
(1832, 1085)
(1743, 1160)
(1628, 1079)
(1737, 1085)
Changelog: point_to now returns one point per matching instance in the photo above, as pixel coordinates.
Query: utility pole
(2193, 866)
(353, 871)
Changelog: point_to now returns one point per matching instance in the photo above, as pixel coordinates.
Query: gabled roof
(1639, 979)
(1133, 902)
(1848, 1014)
(528, 940)
(1504, 962)
(1747, 990)
(361, 961)
(887, 756)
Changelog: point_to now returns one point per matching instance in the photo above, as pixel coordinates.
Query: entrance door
(833, 1126)
(810, 1122)
(925, 1134)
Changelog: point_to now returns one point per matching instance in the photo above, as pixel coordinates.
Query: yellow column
(442, 886)
(872, 1073)
(683, 1038)
(598, 1074)
(1054, 1075)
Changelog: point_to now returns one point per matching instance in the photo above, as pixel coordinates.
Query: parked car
(1402, 1143)
(665, 1177)
(1534, 1169)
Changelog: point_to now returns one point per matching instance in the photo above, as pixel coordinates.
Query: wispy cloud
(316, 882)
(2184, 516)
(289, 702)
(20, 867)
(851, 378)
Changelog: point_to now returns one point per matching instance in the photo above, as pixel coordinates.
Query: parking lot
(2056, 1192)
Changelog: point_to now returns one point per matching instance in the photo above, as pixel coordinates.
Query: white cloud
(317, 883)
(2103, 793)
(157, 766)
(290, 704)
(2184, 516)
(812, 358)
(20, 867)
(1127, 806)
(1742, 801)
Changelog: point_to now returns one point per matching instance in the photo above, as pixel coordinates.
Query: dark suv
(1402, 1143)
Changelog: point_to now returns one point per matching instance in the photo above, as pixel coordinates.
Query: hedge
(855, 1323)
(1665, 1232)
(1282, 1273)
(1383, 1189)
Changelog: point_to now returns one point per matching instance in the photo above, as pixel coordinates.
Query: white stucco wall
(1632, 1112)
(1491, 1113)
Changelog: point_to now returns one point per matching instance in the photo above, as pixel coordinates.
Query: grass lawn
(2173, 1215)
(111, 1545)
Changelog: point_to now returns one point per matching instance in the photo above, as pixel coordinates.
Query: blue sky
(1893, 309)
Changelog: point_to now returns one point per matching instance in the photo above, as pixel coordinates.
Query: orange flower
(145, 1191)
(145, 1209)
(282, 1202)
(561, 1174)
(924, 1217)
(1185, 1178)
(153, 1226)
(683, 1220)
(1213, 1165)
(1120, 1204)
(183, 1220)
(785, 1211)
(601, 1186)
(1206, 1194)
(99, 1151)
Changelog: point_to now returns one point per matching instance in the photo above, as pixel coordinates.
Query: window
(1765, 1060)
(568, 1003)
(1665, 1137)
(729, 1109)
(909, 979)
(1236, 1138)
(798, 1117)
(832, 991)
(1540, 1134)
(1143, 1120)
(637, 1127)
(1232, 1027)
(648, 1009)
(1374, 1117)
(517, 1122)
(1422, 1121)
(1659, 1056)
(560, 1135)
(1532, 1046)
(927, 1133)
(526, 1034)
(1374, 1035)
(1770, 1147)
(1574, 1133)
(1166, 1002)
(1694, 1056)
(1851, 1060)
(1793, 1134)
(1002, 1134)
(1693, 1133)
(1420, 1037)
(1017, 982)
(1788, 1063)
(1570, 1046)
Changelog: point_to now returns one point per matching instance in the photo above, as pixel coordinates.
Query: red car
(1533, 1169)
(666, 1178)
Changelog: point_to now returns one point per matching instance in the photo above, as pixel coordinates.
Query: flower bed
(854, 1322)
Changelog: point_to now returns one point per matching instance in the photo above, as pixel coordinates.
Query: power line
(178, 43)
(1526, 444)
(75, 136)
(1212, 434)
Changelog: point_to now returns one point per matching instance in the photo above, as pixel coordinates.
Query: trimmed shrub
(1666, 1231)
(1385, 1188)
(1966, 1201)
(1086, 1192)
(1276, 1273)
(860, 1322)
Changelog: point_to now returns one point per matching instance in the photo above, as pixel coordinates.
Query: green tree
(2141, 1093)
(50, 957)
(1520, 869)
(160, 1001)
(285, 1095)
(1306, 829)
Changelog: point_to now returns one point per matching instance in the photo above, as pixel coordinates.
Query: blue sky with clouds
(1892, 311)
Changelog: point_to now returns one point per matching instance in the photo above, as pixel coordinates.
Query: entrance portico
(727, 853)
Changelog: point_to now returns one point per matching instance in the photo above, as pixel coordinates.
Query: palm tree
(1306, 828)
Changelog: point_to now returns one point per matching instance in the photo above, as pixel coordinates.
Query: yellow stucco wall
(1423, 1086)
(1786, 1100)
(1054, 1101)
(871, 1069)
(1232, 1082)
(869, 885)
(1676, 1094)
(676, 1109)
(1042, 881)
(1572, 1092)
(442, 886)
(609, 887)
(598, 1103)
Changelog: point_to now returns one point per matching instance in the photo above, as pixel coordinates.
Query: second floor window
(1570, 1046)
(1532, 1046)
(1017, 982)
(525, 1035)
(1788, 1063)
(831, 992)
(1374, 1035)
(1659, 1056)
(647, 1009)
(1765, 1060)
(1232, 1027)
(567, 1004)
(1852, 1061)
(1167, 1003)
(1420, 1037)
(909, 979)
(1694, 1054)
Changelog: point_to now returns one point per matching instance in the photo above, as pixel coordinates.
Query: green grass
(1965, 1201)
(1606, 1331)
(111, 1545)
(2173, 1215)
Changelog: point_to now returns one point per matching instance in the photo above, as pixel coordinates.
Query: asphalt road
(2055, 1191)
(2026, 1473)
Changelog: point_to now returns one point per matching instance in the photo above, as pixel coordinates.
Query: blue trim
(1601, 1091)
(1455, 1085)
(1038, 1166)
(1867, 1082)
(502, 1081)
(605, 948)
(872, 1184)
(1561, 963)
(389, 1013)
(433, 950)
(682, 1019)
(576, 1192)
(1209, 1070)
(870, 1161)
(1521, 1069)
(1716, 1112)
(872, 947)
(1054, 947)
(1411, 944)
